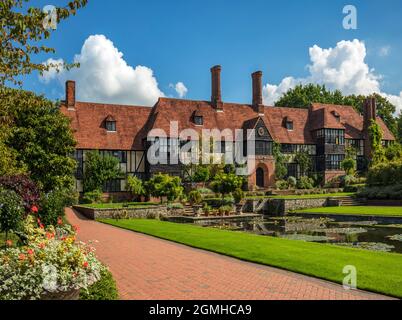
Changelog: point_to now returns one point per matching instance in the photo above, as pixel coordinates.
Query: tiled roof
(134, 122)
(87, 121)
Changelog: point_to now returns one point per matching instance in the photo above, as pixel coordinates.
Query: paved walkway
(149, 268)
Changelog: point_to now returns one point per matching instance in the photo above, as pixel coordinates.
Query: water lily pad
(373, 246)
(306, 237)
(396, 237)
(342, 230)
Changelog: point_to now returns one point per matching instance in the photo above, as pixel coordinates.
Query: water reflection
(367, 235)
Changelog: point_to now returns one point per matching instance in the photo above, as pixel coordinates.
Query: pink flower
(34, 209)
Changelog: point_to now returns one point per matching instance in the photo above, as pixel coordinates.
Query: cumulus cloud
(341, 68)
(104, 76)
(180, 89)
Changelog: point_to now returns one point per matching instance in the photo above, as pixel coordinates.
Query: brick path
(149, 268)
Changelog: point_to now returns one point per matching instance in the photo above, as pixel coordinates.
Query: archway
(260, 178)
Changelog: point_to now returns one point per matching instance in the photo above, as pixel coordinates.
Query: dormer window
(110, 124)
(288, 123)
(337, 116)
(198, 118)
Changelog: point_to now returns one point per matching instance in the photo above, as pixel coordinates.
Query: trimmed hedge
(385, 174)
(104, 289)
(382, 192)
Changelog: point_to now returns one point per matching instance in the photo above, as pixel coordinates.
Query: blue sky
(179, 40)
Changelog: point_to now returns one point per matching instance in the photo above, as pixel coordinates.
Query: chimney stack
(216, 97)
(369, 113)
(257, 92)
(70, 94)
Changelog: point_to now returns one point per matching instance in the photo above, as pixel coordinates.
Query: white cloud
(104, 76)
(341, 68)
(57, 65)
(180, 89)
(384, 51)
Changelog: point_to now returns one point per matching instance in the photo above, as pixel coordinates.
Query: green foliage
(393, 152)
(40, 137)
(94, 196)
(399, 128)
(280, 161)
(8, 157)
(238, 195)
(302, 96)
(377, 150)
(99, 169)
(103, 289)
(163, 185)
(22, 37)
(292, 182)
(349, 165)
(385, 174)
(205, 191)
(201, 174)
(52, 205)
(392, 192)
(11, 211)
(305, 183)
(195, 197)
(225, 183)
(135, 186)
(303, 159)
(281, 185)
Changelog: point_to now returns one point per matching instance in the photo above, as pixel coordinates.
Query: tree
(99, 169)
(225, 183)
(399, 128)
(11, 211)
(8, 157)
(302, 96)
(349, 165)
(40, 137)
(163, 185)
(280, 162)
(135, 186)
(303, 159)
(22, 35)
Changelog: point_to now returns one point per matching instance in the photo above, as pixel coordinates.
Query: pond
(368, 235)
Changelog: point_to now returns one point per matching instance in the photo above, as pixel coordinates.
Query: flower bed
(51, 264)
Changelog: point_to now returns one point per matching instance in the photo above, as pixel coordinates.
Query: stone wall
(151, 212)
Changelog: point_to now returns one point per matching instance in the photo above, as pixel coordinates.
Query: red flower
(22, 257)
(41, 226)
(34, 209)
(30, 251)
(49, 235)
(41, 245)
(59, 221)
(85, 264)
(9, 243)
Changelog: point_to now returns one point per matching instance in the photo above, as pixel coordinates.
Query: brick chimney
(70, 94)
(369, 113)
(257, 92)
(216, 96)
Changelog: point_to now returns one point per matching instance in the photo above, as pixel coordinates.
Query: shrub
(92, 196)
(201, 174)
(52, 206)
(103, 289)
(292, 182)
(24, 187)
(225, 183)
(50, 252)
(238, 195)
(281, 185)
(163, 185)
(305, 183)
(195, 197)
(11, 211)
(386, 173)
(393, 192)
(349, 165)
(135, 186)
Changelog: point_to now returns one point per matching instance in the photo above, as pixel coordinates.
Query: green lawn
(360, 210)
(306, 196)
(376, 271)
(119, 205)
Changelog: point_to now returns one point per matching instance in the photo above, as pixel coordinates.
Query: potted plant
(195, 199)
(238, 196)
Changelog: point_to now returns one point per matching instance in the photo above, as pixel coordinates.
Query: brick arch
(263, 169)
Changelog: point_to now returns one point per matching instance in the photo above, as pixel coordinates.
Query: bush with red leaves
(24, 187)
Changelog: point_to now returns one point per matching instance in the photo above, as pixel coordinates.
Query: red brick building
(322, 130)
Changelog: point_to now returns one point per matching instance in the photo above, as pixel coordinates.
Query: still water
(368, 235)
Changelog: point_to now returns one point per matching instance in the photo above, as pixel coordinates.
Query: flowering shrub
(24, 187)
(52, 261)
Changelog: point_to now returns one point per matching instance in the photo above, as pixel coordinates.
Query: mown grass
(306, 196)
(376, 271)
(119, 205)
(358, 210)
